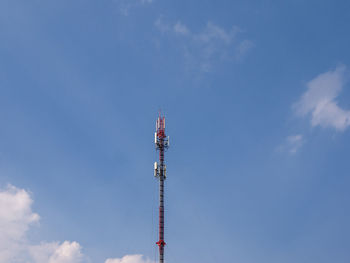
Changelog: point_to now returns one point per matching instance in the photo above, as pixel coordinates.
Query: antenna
(162, 143)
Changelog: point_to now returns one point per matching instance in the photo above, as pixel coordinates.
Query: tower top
(160, 139)
(160, 127)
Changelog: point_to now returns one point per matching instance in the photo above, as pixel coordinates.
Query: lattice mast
(162, 143)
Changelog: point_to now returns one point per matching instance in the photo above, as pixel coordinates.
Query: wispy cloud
(320, 102)
(125, 6)
(292, 144)
(16, 218)
(162, 26)
(181, 29)
(208, 46)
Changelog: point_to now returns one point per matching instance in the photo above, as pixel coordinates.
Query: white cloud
(320, 100)
(208, 46)
(42, 253)
(16, 217)
(67, 252)
(130, 259)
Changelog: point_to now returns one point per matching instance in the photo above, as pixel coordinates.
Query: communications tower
(162, 143)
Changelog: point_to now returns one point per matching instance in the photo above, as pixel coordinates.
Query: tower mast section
(162, 143)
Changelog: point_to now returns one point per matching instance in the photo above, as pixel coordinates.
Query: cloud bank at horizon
(16, 218)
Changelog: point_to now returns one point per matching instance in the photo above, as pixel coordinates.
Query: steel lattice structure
(162, 143)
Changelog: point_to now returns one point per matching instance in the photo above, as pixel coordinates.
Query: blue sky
(257, 100)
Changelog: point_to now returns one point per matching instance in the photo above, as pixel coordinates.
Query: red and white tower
(162, 143)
